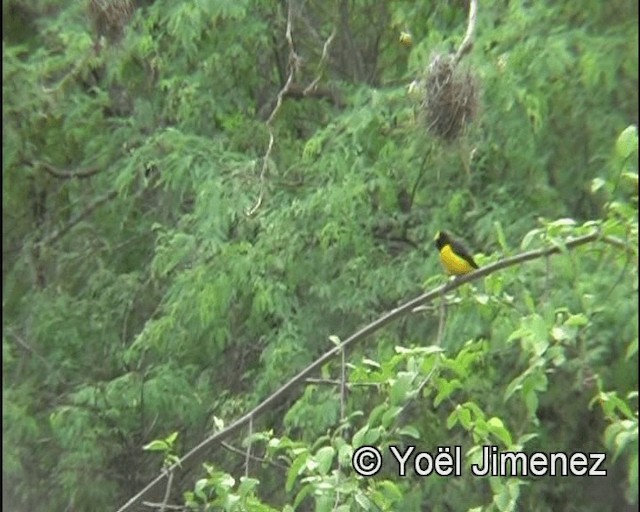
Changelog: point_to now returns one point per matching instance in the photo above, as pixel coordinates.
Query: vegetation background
(198, 194)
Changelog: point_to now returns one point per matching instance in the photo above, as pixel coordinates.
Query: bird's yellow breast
(452, 263)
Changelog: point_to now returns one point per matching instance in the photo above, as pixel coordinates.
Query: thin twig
(547, 276)
(265, 160)
(167, 491)
(343, 384)
(247, 459)
(322, 63)
(343, 391)
(338, 383)
(154, 506)
(441, 317)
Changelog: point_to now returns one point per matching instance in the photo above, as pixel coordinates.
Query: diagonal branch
(199, 452)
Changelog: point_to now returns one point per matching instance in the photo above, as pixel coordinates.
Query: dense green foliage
(165, 267)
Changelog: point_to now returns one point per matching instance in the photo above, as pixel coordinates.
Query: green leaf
(363, 501)
(156, 446)
(627, 143)
(358, 437)
(523, 439)
(464, 415)
(247, 486)
(345, 454)
(528, 238)
(402, 387)
(171, 438)
(498, 429)
(199, 488)
(294, 471)
(390, 416)
(324, 457)
(306, 490)
(579, 320)
(452, 419)
(391, 490)
(335, 340)
(372, 436)
(461, 414)
(597, 184)
(409, 431)
(376, 413)
(445, 389)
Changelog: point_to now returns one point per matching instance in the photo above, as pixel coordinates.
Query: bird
(454, 256)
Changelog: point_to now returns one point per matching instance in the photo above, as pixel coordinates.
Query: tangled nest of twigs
(109, 17)
(451, 99)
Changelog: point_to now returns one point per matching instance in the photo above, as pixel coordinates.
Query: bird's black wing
(462, 251)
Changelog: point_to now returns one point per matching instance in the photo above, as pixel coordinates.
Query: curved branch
(198, 453)
(323, 60)
(293, 65)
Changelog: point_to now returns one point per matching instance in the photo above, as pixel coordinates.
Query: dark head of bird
(441, 239)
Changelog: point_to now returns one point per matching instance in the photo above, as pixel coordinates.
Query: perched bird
(454, 257)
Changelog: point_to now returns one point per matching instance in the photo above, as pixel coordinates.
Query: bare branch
(343, 384)
(441, 318)
(322, 64)
(248, 456)
(263, 170)
(155, 506)
(293, 65)
(338, 383)
(167, 492)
